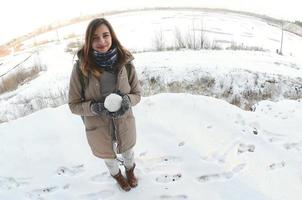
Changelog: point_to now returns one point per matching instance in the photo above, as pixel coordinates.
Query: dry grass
(73, 46)
(11, 81)
(266, 88)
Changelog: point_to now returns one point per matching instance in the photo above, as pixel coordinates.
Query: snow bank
(188, 146)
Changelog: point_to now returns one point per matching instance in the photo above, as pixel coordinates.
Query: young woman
(106, 68)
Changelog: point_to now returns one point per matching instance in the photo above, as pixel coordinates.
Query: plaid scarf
(106, 60)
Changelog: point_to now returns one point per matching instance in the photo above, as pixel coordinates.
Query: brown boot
(120, 179)
(132, 180)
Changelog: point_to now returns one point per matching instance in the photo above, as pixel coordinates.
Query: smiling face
(101, 39)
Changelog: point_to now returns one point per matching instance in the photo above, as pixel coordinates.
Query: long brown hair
(85, 53)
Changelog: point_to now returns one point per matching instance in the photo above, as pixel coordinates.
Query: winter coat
(99, 129)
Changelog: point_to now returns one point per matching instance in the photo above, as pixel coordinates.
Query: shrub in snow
(159, 41)
(113, 102)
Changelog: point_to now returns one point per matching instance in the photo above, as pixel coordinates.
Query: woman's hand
(125, 105)
(98, 109)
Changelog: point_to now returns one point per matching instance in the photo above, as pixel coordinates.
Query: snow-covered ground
(240, 77)
(36, 13)
(189, 147)
(222, 28)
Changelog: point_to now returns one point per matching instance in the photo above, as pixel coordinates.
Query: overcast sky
(19, 17)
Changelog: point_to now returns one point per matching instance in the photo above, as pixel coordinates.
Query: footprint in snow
(245, 148)
(182, 143)
(168, 178)
(11, 182)
(104, 194)
(294, 145)
(174, 197)
(274, 166)
(213, 177)
(39, 193)
(65, 171)
(255, 131)
(221, 176)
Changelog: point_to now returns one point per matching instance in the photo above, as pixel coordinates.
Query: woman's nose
(101, 40)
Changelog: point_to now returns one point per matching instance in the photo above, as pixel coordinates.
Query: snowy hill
(242, 78)
(199, 148)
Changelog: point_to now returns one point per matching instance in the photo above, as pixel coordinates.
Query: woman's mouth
(101, 47)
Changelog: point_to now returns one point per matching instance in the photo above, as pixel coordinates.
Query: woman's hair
(85, 53)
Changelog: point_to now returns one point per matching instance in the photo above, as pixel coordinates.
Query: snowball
(113, 102)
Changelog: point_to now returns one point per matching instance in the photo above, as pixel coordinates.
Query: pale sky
(20, 17)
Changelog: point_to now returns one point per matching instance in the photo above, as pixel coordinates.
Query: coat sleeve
(136, 90)
(74, 96)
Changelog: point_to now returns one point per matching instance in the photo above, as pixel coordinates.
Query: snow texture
(113, 102)
(188, 147)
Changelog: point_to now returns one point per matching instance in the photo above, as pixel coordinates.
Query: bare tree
(179, 41)
(159, 41)
(281, 42)
(202, 35)
(193, 34)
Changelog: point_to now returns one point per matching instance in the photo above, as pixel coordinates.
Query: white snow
(219, 27)
(113, 102)
(227, 68)
(34, 14)
(189, 147)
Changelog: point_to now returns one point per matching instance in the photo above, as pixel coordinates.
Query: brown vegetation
(11, 81)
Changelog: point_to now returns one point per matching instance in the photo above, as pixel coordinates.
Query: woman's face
(101, 39)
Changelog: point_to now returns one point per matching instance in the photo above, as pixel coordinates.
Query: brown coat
(99, 128)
